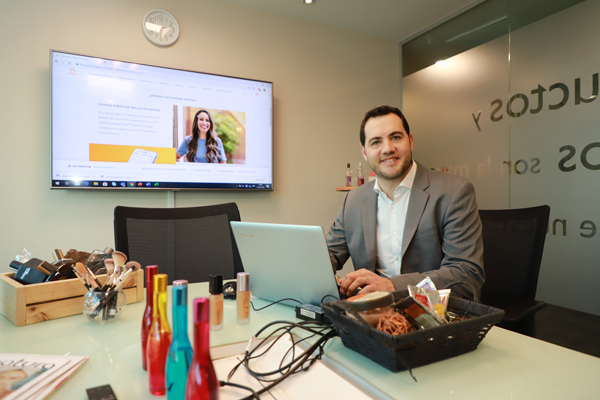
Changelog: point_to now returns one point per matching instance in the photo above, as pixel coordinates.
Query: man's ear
(362, 150)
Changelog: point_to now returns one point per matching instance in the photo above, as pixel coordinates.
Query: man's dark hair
(380, 112)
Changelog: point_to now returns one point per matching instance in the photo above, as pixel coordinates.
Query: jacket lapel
(416, 206)
(369, 223)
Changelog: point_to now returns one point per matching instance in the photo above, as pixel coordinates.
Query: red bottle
(151, 270)
(159, 338)
(202, 383)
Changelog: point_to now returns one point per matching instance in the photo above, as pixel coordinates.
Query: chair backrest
(186, 243)
(513, 243)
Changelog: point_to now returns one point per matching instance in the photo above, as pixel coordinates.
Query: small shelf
(344, 188)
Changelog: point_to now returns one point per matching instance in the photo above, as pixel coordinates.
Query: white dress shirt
(391, 216)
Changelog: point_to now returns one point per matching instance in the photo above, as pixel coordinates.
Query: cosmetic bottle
(202, 383)
(151, 270)
(348, 175)
(360, 178)
(215, 287)
(243, 298)
(180, 352)
(159, 338)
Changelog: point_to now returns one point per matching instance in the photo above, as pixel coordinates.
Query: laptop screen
(286, 261)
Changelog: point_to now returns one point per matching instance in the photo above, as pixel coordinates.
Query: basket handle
(340, 306)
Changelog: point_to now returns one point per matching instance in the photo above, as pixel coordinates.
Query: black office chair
(186, 243)
(513, 243)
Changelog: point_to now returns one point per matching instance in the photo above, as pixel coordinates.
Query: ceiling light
(308, 1)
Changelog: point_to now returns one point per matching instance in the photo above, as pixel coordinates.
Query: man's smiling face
(388, 148)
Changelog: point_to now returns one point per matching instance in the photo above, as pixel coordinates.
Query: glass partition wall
(505, 95)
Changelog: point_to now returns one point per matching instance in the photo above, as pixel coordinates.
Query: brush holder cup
(104, 307)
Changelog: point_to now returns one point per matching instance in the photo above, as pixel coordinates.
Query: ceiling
(430, 30)
(394, 20)
(488, 21)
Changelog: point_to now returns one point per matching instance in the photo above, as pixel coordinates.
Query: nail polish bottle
(360, 178)
(202, 383)
(243, 298)
(151, 270)
(180, 352)
(215, 287)
(348, 175)
(159, 338)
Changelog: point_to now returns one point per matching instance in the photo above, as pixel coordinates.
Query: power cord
(298, 363)
(275, 302)
(329, 295)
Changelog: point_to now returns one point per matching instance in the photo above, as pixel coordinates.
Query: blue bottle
(180, 352)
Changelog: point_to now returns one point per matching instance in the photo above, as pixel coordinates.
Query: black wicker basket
(414, 349)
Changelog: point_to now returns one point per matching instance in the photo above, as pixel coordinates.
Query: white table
(506, 365)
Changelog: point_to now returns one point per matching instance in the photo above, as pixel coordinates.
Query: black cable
(259, 375)
(254, 395)
(250, 355)
(301, 361)
(287, 328)
(298, 364)
(269, 305)
(328, 295)
(289, 369)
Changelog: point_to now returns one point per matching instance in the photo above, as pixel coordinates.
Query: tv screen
(123, 125)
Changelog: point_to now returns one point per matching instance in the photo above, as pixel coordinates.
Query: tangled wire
(394, 323)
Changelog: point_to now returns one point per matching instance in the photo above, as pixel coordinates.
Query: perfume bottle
(348, 175)
(360, 178)
(159, 338)
(202, 383)
(243, 298)
(180, 352)
(151, 270)
(215, 288)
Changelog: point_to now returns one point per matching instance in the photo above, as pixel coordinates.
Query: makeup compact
(27, 275)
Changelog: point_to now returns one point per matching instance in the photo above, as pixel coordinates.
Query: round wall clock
(160, 27)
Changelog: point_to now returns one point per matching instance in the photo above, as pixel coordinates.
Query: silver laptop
(286, 261)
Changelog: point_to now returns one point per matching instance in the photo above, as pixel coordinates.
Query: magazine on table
(34, 376)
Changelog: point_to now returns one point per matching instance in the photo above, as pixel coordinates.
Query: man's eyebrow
(389, 134)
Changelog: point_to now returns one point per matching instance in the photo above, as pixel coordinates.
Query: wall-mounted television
(124, 125)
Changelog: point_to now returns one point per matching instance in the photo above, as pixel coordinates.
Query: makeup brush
(134, 265)
(122, 279)
(89, 275)
(114, 289)
(118, 282)
(109, 270)
(111, 273)
(110, 266)
(119, 258)
(103, 269)
(80, 275)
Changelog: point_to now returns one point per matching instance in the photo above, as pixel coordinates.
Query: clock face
(160, 27)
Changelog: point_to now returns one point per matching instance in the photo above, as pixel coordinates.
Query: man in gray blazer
(410, 223)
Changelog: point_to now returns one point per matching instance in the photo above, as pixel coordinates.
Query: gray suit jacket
(442, 234)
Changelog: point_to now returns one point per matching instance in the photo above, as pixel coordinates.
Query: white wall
(324, 80)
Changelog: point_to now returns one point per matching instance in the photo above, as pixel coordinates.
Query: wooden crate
(28, 304)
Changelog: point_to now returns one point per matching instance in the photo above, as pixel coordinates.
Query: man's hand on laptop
(367, 280)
